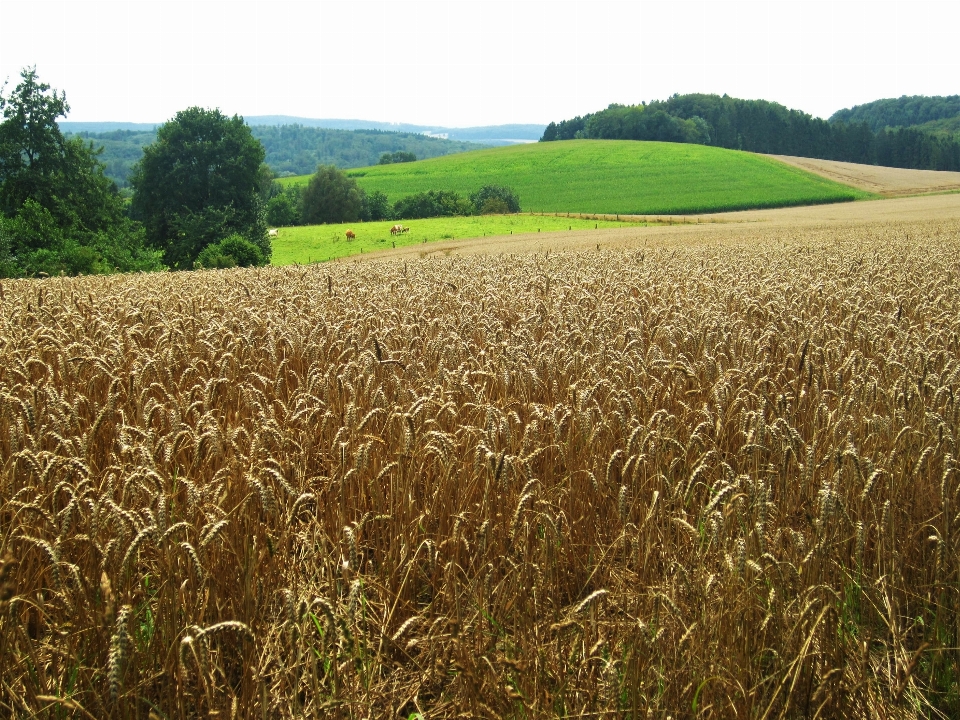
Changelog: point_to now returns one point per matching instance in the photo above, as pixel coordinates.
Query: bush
(282, 210)
(494, 206)
(232, 251)
(433, 203)
(495, 200)
(376, 206)
(397, 157)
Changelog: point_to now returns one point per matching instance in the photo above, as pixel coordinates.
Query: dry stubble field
(710, 480)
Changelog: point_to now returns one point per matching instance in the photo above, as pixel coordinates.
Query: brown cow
(351, 235)
(396, 229)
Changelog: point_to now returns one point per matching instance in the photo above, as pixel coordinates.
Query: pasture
(712, 480)
(613, 176)
(318, 243)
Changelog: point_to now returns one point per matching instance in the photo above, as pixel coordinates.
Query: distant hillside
(291, 149)
(901, 112)
(295, 150)
(486, 134)
(763, 127)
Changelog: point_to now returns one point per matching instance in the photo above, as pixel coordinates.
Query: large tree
(199, 183)
(331, 197)
(58, 211)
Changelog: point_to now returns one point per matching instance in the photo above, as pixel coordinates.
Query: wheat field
(705, 481)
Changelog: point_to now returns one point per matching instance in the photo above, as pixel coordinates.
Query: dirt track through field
(890, 182)
(737, 228)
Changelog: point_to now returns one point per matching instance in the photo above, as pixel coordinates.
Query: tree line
(333, 196)
(763, 127)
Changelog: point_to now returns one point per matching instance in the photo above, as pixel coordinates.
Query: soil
(886, 181)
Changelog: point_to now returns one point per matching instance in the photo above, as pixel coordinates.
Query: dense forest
(291, 149)
(906, 111)
(764, 127)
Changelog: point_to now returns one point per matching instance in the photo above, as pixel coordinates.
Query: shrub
(433, 203)
(282, 210)
(397, 157)
(232, 251)
(495, 199)
(376, 206)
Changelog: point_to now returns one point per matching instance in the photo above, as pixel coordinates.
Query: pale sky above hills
(473, 63)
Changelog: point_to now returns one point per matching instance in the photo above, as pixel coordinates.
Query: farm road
(747, 226)
(890, 182)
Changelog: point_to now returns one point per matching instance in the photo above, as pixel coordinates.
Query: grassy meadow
(613, 176)
(707, 481)
(318, 243)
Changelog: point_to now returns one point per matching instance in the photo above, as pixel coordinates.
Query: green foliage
(900, 112)
(199, 183)
(232, 251)
(495, 200)
(432, 203)
(397, 157)
(283, 210)
(613, 176)
(766, 127)
(331, 197)
(121, 150)
(377, 206)
(59, 213)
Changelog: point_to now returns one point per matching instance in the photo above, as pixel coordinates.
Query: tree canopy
(905, 111)
(331, 197)
(58, 211)
(199, 183)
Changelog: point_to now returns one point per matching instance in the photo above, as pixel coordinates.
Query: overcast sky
(473, 63)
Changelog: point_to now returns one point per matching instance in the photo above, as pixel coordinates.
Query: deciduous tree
(199, 183)
(331, 197)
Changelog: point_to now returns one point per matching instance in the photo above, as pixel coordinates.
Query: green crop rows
(613, 176)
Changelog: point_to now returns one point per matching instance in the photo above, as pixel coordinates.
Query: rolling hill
(613, 176)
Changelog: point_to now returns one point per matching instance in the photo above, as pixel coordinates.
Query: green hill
(612, 176)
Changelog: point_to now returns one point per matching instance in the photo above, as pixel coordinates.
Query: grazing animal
(396, 229)
(273, 233)
(351, 235)
(404, 229)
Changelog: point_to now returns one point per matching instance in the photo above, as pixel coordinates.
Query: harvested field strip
(716, 478)
(884, 181)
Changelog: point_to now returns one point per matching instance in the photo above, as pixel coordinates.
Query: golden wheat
(705, 481)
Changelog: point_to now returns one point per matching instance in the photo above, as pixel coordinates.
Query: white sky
(473, 63)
